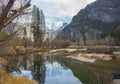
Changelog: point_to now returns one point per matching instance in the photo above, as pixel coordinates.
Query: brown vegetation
(60, 44)
(73, 47)
(13, 46)
(20, 50)
(32, 50)
(8, 42)
(7, 51)
(101, 49)
(8, 79)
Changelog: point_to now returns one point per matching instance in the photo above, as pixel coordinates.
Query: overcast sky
(61, 10)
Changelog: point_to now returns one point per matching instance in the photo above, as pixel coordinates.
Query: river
(46, 69)
(52, 69)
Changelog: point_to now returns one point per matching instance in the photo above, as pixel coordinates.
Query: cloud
(61, 10)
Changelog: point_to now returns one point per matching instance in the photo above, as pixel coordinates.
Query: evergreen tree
(38, 22)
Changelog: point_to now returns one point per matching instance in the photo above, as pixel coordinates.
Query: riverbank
(80, 54)
(79, 61)
(8, 63)
(6, 67)
(6, 78)
(89, 53)
(19, 50)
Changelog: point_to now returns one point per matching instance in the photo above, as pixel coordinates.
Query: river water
(50, 69)
(46, 69)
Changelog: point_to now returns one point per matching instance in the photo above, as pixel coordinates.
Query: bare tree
(9, 13)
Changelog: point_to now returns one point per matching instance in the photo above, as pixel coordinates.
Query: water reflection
(39, 69)
(47, 70)
(25, 73)
(57, 74)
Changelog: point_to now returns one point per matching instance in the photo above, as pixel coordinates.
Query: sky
(60, 11)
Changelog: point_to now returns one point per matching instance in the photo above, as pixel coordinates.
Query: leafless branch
(5, 20)
(8, 14)
(8, 37)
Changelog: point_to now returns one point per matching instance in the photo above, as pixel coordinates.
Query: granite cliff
(98, 20)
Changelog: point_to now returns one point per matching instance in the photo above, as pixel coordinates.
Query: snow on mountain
(54, 28)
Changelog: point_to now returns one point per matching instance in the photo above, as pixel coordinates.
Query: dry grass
(8, 79)
(73, 47)
(34, 50)
(44, 50)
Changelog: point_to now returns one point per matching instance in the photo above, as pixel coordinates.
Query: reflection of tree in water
(56, 63)
(12, 64)
(25, 62)
(50, 58)
(39, 69)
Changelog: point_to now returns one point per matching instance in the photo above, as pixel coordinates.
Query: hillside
(96, 24)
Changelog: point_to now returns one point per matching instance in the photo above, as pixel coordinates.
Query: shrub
(7, 51)
(60, 43)
(20, 50)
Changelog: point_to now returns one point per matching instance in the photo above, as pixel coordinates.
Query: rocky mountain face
(60, 29)
(54, 33)
(96, 22)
